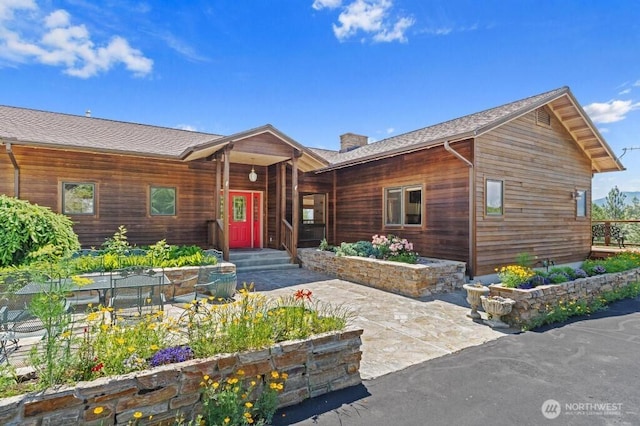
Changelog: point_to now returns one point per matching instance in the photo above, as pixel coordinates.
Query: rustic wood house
(480, 188)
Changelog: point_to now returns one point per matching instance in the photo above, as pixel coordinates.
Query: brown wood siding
(541, 167)
(445, 179)
(6, 173)
(122, 193)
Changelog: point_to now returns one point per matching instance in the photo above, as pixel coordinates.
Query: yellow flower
(240, 372)
(104, 327)
(120, 341)
(206, 377)
(131, 349)
(154, 347)
(227, 419)
(248, 404)
(98, 410)
(216, 385)
(137, 415)
(284, 376)
(275, 374)
(253, 383)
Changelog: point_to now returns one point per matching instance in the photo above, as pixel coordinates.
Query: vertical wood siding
(445, 179)
(541, 166)
(122, 188)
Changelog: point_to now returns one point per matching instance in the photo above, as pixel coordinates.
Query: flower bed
(428, 276)
(315, 366)
(532, 303)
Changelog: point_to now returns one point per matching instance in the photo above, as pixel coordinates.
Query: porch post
(216, 200)
(225, 210)
(295, 203)
(283, 202)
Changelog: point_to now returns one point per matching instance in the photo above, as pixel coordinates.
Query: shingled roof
(56, 130)
(473, 125)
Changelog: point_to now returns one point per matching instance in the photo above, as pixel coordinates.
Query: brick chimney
(351, 141)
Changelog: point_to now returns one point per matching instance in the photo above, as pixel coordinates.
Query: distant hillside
(630, 194)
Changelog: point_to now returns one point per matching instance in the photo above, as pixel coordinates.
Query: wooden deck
(602, 252)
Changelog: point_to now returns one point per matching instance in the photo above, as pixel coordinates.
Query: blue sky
(318, 69)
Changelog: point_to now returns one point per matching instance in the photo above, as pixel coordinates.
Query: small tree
(26, 228)
(614, 206)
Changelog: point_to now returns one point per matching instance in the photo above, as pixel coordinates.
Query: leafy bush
(26, 228)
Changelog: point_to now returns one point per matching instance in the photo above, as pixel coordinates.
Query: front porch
(261, 204)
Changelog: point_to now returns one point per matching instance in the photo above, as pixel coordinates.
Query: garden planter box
(318, 365)
(532, 302)
(429, 276)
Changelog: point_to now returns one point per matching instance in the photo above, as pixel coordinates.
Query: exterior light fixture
(253, 176)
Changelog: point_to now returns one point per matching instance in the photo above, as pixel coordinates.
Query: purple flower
(171, 355)
(580, 273)
(599, 269)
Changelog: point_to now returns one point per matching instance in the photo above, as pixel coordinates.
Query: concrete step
(261, 260)
(279, 267)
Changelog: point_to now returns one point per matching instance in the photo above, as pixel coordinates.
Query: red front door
(244, 219)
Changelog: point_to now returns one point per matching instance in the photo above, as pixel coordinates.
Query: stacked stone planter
(321, 364)
(532, 302)
(431, 276)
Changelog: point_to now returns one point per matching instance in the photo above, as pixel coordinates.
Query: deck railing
(616, 232)
(287, 238)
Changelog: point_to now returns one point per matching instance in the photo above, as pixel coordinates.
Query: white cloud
(372, 17)
(637, 83)
(448, 29)
(53, 40)
(329, 4)
(624, 92)
(611, 111)
(390, 130)
(186, 127)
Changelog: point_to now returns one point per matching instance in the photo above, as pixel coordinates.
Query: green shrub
(26, 228)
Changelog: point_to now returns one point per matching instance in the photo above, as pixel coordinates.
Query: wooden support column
(295, 204)
(283, 200)
(216, 200)
(334, 216)
(225, 210)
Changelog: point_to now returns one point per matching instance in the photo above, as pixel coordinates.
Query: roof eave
(398, 151)
(77, 148)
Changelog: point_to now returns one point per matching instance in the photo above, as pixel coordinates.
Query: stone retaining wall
(531, 303)
(422, 279)
(322, 364)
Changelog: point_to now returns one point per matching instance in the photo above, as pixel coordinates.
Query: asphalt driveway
(585, 372)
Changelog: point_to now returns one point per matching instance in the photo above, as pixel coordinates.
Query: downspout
(447, 147)
(16, 170)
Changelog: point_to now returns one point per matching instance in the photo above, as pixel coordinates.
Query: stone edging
(422, 279)
(531, 303)
(321, 364)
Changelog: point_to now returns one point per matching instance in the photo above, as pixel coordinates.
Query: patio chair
(215, 253)
(218, 285)
(138, 291)
(17, 322)
(209, 283)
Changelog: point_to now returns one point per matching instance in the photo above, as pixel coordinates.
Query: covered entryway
(256, 175)
(245, 223)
